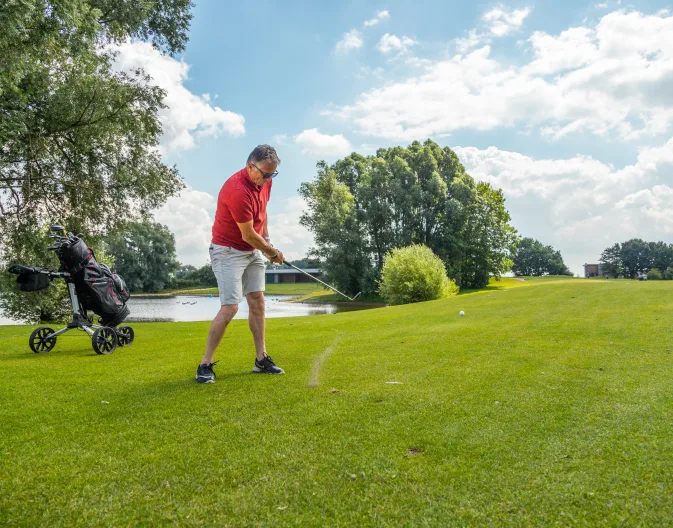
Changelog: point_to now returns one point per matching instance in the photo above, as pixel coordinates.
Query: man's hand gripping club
(258, 242)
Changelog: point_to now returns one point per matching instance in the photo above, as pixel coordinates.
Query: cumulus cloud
(350, 41)
(287, 234)
(188, 116)
(380, 16)
(190, 217)
(613, 79)
(390, 43)
(496, 23)
(581, 205)
(501, 22)
(313, 142)
(654, 207)
(473, 39)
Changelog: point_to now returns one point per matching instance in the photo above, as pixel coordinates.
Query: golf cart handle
(18, 269)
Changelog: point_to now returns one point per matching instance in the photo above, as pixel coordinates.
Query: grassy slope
(545, 405)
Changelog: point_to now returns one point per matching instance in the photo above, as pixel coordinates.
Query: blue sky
(565, 106)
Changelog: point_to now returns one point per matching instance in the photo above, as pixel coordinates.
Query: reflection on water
(199, 308)
(194, 308)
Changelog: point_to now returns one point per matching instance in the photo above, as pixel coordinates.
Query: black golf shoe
(205, 374)
(267, 366)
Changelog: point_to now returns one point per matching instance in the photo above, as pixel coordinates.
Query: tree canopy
(533, 258)
(78, 139)
(144, 255)
(636, 256)
(360, 208)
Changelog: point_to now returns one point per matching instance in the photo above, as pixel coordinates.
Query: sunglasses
(265, 175)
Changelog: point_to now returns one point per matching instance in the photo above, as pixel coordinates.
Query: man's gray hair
(264, 153)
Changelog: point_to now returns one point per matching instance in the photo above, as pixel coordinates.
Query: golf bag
(98, 289)
(91, 286)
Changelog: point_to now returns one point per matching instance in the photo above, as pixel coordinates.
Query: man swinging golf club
(240, 237)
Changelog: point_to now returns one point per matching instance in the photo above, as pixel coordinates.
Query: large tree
(661, 255)
(77, 138)
(144, 255)
(489, 239)
(611, 261)
(533, 258)
(362, 207)
(636, 257)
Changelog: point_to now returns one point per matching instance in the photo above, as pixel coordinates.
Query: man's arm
(252, 237)
(265, 230)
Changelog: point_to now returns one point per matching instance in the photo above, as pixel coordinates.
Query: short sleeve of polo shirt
(240, 206)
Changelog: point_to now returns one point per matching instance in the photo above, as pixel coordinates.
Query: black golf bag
(98, 289)
(91, 287)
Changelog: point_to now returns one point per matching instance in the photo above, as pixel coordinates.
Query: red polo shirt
(240, 200)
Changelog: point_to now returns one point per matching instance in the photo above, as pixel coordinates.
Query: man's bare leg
(257, 322)
(217, 329)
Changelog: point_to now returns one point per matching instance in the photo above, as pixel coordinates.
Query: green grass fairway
(546, 405)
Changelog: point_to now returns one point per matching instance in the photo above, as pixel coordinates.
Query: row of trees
(361, 207)
(637, 256)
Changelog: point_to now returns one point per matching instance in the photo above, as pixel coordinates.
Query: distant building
(594, 270)
(290, 276)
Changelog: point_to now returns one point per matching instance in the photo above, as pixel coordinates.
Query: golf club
(321, 282)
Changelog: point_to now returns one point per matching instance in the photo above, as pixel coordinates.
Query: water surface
(200, 308)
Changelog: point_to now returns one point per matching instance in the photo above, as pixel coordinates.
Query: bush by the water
(654, 274)
(414, 274)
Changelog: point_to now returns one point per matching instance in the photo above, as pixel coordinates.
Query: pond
(200, 308)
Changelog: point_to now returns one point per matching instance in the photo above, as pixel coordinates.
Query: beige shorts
(238, 273)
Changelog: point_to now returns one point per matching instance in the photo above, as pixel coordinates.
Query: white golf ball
(461, 313)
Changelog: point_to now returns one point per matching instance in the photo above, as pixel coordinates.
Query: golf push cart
(92, 287)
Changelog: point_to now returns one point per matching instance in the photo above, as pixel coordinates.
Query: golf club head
(356, 296)
(57, 229)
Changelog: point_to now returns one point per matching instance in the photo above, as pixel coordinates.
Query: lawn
(545, 405)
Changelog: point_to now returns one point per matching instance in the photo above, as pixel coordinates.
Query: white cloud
(473, 39)
(496, 23)
(313, 142)
(654, 206)
(390, 43)
(572, 49)
(501, 22)
(350, 41)
(188, 116)
(366, 71)
(380, 16)
(581, 205)
(287, 234)
(280, 139)
(611, 80)
(190, 217)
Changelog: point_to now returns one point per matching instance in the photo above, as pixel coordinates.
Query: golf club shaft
(317, 279)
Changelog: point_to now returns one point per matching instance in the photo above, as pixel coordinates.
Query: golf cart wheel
(125, 335)
(39, 342)
(104, 340)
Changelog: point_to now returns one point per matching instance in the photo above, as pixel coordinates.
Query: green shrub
(413, 274)
(654, 274)
(668, 274)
